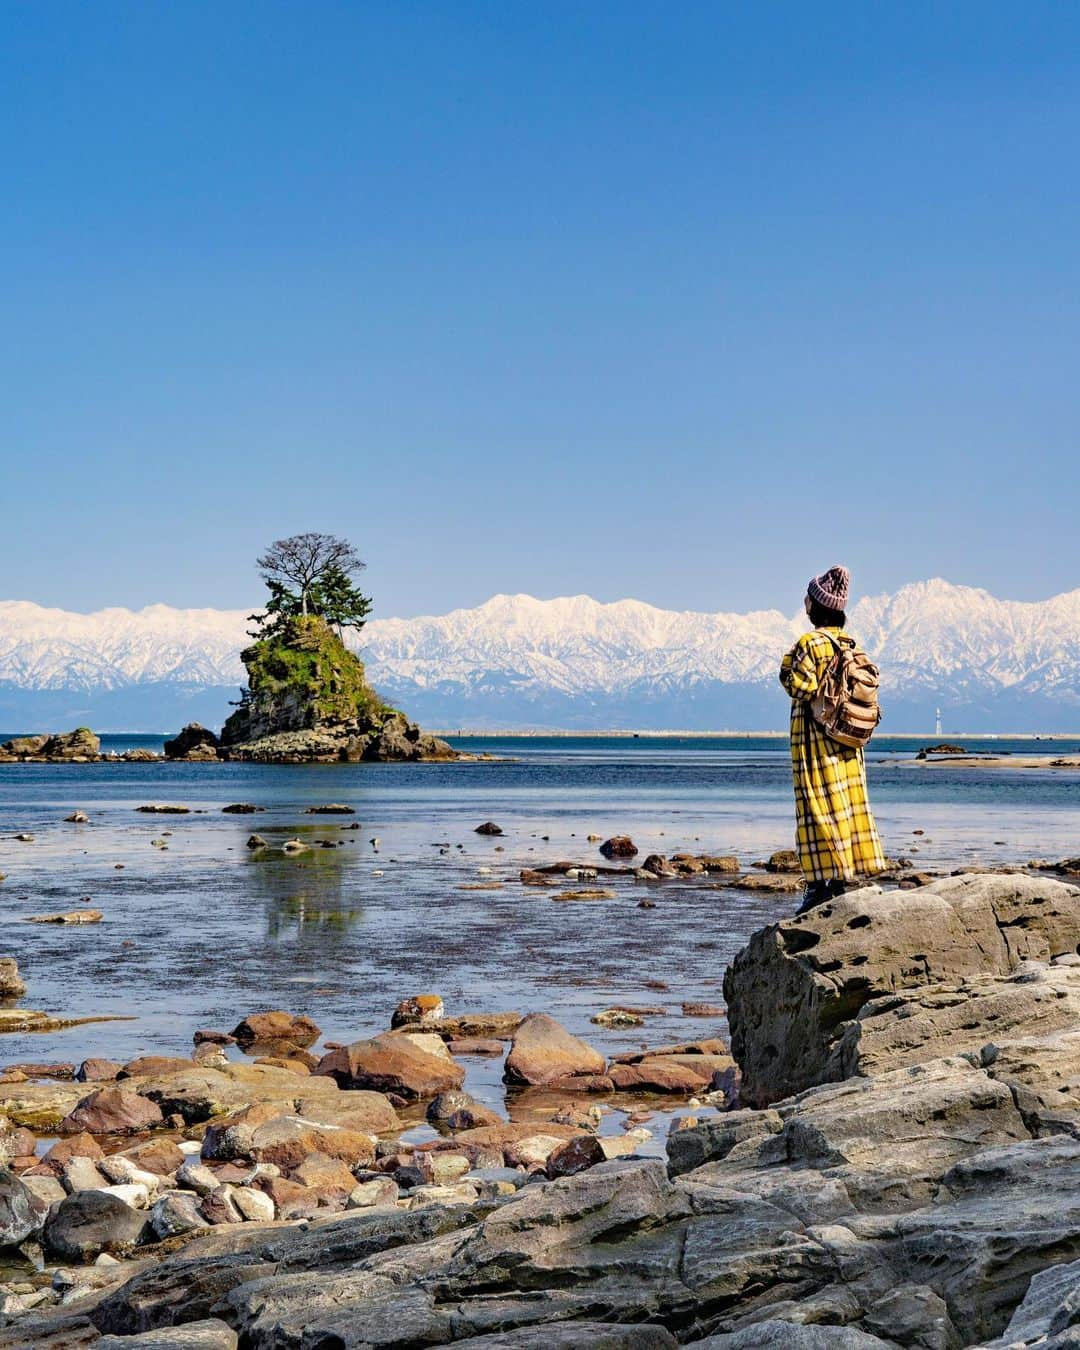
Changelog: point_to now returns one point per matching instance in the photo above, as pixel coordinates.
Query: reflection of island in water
(304, 895)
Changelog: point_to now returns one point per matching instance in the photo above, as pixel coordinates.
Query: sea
(404, 897)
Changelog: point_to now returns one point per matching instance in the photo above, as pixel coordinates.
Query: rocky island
(308, 700)
(891, 1158)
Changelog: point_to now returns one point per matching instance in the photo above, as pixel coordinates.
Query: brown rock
(288, 1140)
(154, 1066)
(542, 1051)
(324, 1172)
(582, 1082)
(80, 1145)
(784, 860)
(291, 1199)
(583, 1152)
(724, 862)
(219, 1207)
(658, 1075)
(391, 1063)
(276, 1026)
(156, 1155)
(418, 1011)
(488, 827)
(97, 1071)
(11, 982)
(619, 846)
(474, 1045)
(459, 1111)
(112, 1110)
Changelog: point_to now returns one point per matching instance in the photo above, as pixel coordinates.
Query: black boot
(816, 893)
(836, 888)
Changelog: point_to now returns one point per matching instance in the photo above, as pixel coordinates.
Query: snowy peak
(518, 660)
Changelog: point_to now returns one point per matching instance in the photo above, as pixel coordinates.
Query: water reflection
(308, 897)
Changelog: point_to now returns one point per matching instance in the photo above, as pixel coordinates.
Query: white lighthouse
(937, 722)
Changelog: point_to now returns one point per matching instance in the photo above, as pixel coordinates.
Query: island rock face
(308, 700)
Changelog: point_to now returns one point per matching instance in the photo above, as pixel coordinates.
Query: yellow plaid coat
(835, 834)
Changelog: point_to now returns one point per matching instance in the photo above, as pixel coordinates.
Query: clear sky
(675, 301)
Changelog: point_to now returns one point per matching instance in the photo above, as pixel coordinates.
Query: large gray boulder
(792, 990)
(21, 1213)
(88, 1223)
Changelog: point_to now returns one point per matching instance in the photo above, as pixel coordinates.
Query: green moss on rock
(308, 699)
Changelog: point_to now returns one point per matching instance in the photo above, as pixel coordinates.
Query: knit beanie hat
(831, 588)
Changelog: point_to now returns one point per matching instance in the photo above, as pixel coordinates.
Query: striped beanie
(831, 588)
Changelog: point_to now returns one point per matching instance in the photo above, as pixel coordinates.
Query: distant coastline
(644, 733)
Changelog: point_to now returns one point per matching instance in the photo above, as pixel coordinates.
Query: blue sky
(673, 301)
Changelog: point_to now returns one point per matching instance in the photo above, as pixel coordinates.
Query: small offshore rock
(12, 984)
(163, 809)
(241, 809)
(193, 742)
(256, 841)
(488, 827)
(331, 809)
(619, 846)
(276, 1025)
(418, 1010)
(71, 916)
(77, 818)
(617, 1017)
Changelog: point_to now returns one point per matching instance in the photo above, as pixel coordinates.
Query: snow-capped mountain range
(518, 662)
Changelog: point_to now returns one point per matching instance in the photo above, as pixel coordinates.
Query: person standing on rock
(836, 837)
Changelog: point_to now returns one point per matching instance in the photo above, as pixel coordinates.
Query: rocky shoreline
(396, 740)
(888, 1156)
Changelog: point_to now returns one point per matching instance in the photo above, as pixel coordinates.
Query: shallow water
(200, 933)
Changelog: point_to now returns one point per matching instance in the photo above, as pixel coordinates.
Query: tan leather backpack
(846, 703)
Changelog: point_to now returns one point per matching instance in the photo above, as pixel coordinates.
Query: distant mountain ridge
(572, 662)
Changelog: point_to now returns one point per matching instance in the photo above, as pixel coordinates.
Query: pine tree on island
(307, 697)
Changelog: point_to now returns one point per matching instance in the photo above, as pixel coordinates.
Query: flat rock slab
(71, 916)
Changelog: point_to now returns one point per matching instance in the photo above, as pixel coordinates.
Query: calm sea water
(204, 931)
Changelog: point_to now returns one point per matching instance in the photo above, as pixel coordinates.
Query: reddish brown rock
(542, 1051)
(156, 1155)
(657, 1075)
(394, 1064)
(288, 1140)
(323, 1172)
(420, 1010)
(112, 1110)
(474, 1045)
(619, 846)
(578, 1154)
(219, 1207)
(582, 1082)
(280, 1062)
(276, 1026)
(97, 1071)
(292, 1199)
(75, 1146)
(154, 1066)
(459, 1111)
